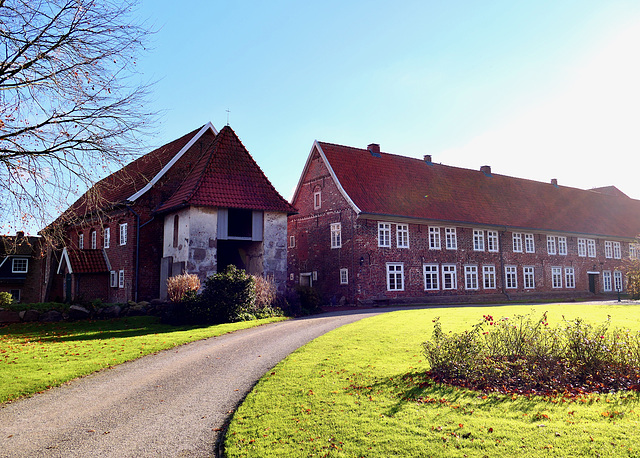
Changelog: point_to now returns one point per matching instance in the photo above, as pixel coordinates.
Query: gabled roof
(397, 186)
(84, 261)
(227, 176)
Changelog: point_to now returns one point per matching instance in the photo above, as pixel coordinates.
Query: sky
(536, 89)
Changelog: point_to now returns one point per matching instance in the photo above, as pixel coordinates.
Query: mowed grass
(359, 391)
(34, 357)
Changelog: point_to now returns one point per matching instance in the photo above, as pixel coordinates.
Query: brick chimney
(554, 181)
(20, 234)
(486, 169)
(427, 158)
(374, 149)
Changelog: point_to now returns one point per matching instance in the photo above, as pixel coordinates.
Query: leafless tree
(72, 102)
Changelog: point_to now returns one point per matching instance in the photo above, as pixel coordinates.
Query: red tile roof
(87, 261)
(407, 187)
(227, 176)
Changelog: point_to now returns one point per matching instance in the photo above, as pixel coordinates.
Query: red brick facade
(472, 270)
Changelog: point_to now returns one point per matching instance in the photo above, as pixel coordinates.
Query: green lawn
(359, 391)
(34, 357)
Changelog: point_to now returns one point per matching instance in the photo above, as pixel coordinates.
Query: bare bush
(179, 285)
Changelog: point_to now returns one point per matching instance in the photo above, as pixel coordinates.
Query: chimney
(374, 149)
(486, 169)
(20, 234)
(427, 158)
(554, 181)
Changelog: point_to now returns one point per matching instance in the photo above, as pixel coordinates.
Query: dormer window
(19, 265)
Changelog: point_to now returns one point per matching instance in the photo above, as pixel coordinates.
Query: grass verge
(360, 391)
(38, 356)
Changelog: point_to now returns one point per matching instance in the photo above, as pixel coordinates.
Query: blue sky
(535, 89)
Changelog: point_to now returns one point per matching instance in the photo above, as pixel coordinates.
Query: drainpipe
(137, 265)
(502, 275)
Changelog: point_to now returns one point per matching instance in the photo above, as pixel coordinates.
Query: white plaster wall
(275, 247)
(203, 234)
(181, 252)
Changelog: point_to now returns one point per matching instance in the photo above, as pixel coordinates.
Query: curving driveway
(171, 404)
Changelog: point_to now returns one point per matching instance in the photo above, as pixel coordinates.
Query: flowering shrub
(525, 356)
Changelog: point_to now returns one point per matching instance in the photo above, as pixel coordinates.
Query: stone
(31, 315)
(9, 316)
(51, 316)
(113, 311)
(77, 312)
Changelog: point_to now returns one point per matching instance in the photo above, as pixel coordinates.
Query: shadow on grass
(92, 330)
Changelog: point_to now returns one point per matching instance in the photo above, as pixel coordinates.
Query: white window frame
(607, 283)
(608, 249)
(569, 277)
(395, 273)
(633, 250)
(529, 243)
(489, 277)
(113, 275)
(292, 241)
(449, 276)
(451, 238)
(384, 235)
(618, 283)
(317, 200)
(493, 244)
(562, 246)
(478, 240)
(556, 277)
(81, 241)
(121, 279)
(434, 238)
(471, 277)
(582, 247)
(511, 277)
(94, 239)
(617, 250)
(433, 272)
(124, 227)
(402, 235)
(529, 277)
(336, 235)
(551, 244)
(107, 237)
(517, 242)
(591, 248)
(19, 265)
(344, 276)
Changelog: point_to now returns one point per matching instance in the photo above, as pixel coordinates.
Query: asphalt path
(175, 403)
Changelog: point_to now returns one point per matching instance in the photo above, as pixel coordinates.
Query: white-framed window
(634, 251)
(492, 241)
(94, 239)
(617, 250)
(591, 248)
(434, 238)
(489, 277)
(451, 239)
(511, 277)
(528, 275)
(582, 247)
(449, 277)
(608, 249)
(123, 233)
(556, 277)
(113, 275)
(16, 294)
(384, 235)
(107, 237)
(478, 240)
(431, 277)
(517, 242)
(395, 276)
(551, 244)
(402, 235)
(121, 279)
(19, 265)
(617, 280)
(344, 276)
(292, 241)
(529, 243)
(606, 281)
(336, 235)
(471, 277)
(81, 241)
(569, 277)
(562, 246)
(317, 200)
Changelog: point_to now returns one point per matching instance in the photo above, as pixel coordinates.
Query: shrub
(526, 356)
(179, 285)
(5, 299)
(265, 291)
(632, 270)
(310, 302)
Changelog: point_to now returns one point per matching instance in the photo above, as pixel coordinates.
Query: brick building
(376, 226)
(21, 267)
(196, 205)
